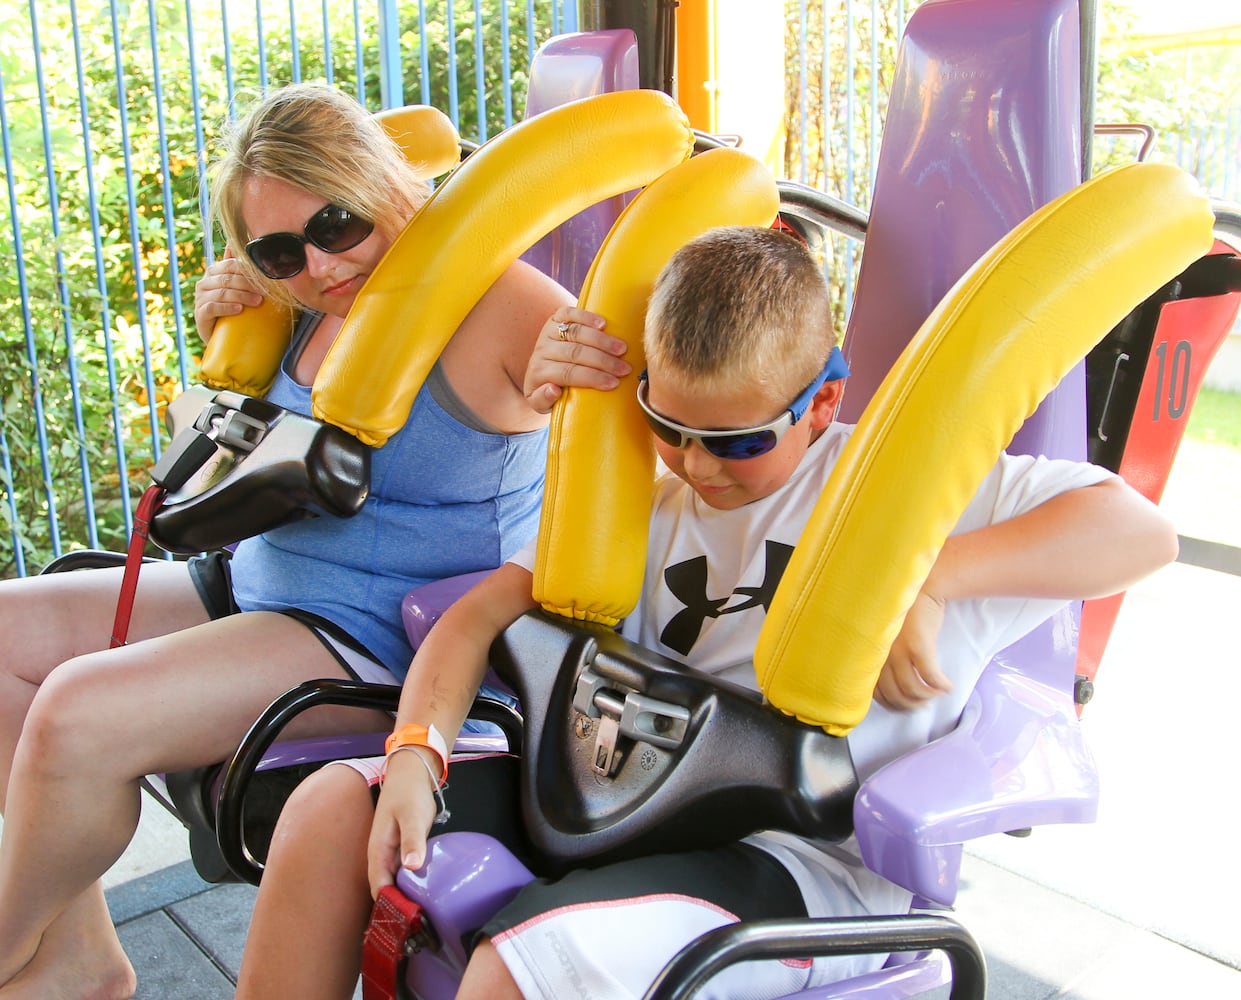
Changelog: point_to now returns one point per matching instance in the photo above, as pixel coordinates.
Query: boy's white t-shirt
(710, 576)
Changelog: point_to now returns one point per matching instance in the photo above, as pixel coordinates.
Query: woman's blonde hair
(741, 307)
(321, 140)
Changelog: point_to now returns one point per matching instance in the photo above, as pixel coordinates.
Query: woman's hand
(572, 349)
(223, 290)
(911, 676)
(404, 815)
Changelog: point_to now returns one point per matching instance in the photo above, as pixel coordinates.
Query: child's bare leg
(102, 721)
(305, 937)
(487, 977)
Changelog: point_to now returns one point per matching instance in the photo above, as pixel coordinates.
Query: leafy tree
(1187, 94)
(835, 103)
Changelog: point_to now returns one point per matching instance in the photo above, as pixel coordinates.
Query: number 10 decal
(1178, 379)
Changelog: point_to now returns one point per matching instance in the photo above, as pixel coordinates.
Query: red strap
(394, 920)
(147, 507)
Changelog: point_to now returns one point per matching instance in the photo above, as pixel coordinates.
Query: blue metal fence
(107, 113)
(108, 110)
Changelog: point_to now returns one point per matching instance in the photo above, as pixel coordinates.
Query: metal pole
(653, 21)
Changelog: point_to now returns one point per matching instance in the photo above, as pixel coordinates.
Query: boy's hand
(911, 676)
(572, 349)
(403, 817)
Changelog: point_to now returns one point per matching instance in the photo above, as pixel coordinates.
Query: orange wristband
(420, 736)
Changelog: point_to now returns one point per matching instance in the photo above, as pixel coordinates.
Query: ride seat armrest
(421, 607)
(467, 878)
(1016, 759)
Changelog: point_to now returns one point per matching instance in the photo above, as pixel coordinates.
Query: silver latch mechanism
(607, 754)
(634, 716)
(231, 427)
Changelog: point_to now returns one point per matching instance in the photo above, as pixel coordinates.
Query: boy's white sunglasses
(748, 442)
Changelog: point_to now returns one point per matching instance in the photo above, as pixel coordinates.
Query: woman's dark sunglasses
(749, 442)
(332, 229)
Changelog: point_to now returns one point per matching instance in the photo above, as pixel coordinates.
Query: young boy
(738, 326)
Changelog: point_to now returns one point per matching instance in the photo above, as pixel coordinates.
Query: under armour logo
(688, 583)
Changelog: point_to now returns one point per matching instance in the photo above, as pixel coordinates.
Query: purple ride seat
(983, 128)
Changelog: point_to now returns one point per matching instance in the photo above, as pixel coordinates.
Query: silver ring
(564, 330)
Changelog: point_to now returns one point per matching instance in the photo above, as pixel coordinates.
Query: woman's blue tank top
(444, 499)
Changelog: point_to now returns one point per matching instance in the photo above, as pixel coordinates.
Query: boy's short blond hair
(321, 140)
(741, 306)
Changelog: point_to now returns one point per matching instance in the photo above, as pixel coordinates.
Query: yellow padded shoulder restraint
(600, 461)
(505, 196)
(245, 350)
(426, 136)
(1002, 338)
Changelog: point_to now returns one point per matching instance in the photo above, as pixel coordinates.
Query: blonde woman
(310, 193)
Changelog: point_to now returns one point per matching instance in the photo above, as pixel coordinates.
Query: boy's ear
(823, 407)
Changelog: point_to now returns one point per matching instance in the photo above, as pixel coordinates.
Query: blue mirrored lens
(731, 447)
(738, 446)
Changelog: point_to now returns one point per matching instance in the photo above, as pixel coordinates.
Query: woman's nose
(318, 261)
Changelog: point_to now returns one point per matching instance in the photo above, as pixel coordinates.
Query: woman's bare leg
(80, 957)
(48, 620)
(100, 722)
(45, 621)
(305, 937)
